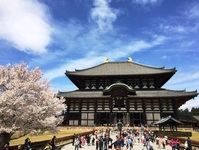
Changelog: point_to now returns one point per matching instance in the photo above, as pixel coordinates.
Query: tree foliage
(193, 111)
(26, 101)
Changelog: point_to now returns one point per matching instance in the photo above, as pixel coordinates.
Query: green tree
(184, 112)
(195, 111)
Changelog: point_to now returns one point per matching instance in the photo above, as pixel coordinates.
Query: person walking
(93, 139)
(53, 143)
(189, 144)
(76, 144)
(129, 144)
(100, 143)
(74, 136)
(145, 144)
(97, 144)
(27, 144)
(117, 144)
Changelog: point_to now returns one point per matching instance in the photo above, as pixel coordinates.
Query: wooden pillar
(103, 104)
(127, 118)
(144, 111)
(160, 107)
(127, 104)
(115, 118)
(135, 104)
(111, 104)
(80, 110)
(95, 105)
(127, 111)
(111, 118)
(174, 107)
(124, 118)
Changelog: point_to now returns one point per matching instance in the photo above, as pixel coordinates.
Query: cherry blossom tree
(26, 102)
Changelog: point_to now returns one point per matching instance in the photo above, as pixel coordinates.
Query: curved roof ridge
(195, 91)
(118, 83)
(72, 91)
(141, 94)
(154, 67)
(78, 70)
(122, 62)
(164, 120)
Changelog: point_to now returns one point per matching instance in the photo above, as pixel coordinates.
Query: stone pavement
(113, 136)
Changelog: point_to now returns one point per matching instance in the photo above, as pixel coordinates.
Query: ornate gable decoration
(121, 88)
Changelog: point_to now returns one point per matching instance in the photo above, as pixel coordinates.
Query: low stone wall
(59, 141)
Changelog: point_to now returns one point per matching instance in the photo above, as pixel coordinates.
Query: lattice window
(119, 102)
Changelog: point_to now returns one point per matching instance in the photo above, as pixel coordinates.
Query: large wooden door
(119, 117)
(136, 118)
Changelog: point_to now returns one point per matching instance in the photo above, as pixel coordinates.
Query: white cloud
(169, 28)
(145, 2)
(63, 87)
(185, 77)
(188, 82)
(96, 57)
(25, 25)
(103, 15)
(190, 104)
(193, 11)
(164, 57)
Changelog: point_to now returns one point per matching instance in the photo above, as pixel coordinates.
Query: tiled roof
(120, 68)
(184, 117)
(143, 93)
(168, 119)
(196, 117)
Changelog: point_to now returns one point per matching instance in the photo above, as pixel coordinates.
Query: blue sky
(60, 35)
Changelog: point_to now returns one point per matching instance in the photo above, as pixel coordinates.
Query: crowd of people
(125, 139)
(103, 141)
(176, 145)
(99, 139)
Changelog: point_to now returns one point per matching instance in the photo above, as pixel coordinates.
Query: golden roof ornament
(130, 59)
(105, 60)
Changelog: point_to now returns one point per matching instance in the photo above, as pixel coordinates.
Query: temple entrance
(119, 117)
(135, 118)
(102, 118)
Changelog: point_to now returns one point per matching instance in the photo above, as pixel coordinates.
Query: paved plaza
(139, 146)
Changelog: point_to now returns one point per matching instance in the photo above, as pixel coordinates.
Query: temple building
(125, 91)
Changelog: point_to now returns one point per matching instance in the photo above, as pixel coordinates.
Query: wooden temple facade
(125, 91)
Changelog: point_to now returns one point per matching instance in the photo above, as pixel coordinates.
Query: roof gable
(168, 120)
(128, 90)
(120, 68)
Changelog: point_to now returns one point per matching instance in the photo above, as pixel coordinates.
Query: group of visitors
(161, 142)
(125, 139)
(99, 139)
(176, 145)
(128, 139)
(82, 141)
